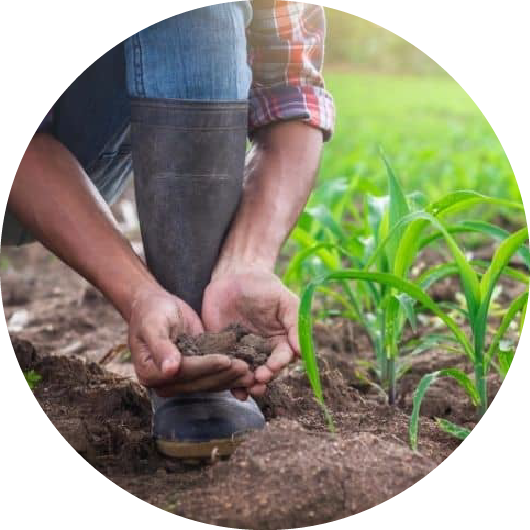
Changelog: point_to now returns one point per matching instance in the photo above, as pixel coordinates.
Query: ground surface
(295, 473)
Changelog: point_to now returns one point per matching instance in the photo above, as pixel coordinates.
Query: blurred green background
(389, 93)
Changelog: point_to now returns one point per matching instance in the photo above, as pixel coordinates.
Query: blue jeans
(198, 55)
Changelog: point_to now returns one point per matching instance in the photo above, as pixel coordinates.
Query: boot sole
(197, 450)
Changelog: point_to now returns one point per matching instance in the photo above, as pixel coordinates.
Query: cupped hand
(157, 319)
(261, 303)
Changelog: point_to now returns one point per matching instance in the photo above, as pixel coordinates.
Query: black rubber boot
(188, 160)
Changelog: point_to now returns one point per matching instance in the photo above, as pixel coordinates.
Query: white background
(46, 44)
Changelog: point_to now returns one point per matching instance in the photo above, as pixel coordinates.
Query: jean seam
(138, 66)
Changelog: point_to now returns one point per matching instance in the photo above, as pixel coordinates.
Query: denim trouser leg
(200, 54)
(188, 134)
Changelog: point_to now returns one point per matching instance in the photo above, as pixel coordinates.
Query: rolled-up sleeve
(286, 51)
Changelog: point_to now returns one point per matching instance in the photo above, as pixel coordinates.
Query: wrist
(245, 260)
(125, 294)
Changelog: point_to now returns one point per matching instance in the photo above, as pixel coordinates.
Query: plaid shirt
(286, 51)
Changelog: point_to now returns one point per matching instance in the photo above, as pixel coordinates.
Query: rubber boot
(188, 160)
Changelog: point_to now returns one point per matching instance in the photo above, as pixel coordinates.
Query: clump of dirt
(235, 342)
(290, 396)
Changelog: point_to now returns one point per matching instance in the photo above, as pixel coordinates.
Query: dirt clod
(235, 342)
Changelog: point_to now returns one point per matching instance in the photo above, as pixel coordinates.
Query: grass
(437, 138)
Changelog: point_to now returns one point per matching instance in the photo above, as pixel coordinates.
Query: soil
(235, 342)
(293, 473)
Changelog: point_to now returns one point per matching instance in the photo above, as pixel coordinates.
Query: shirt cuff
(310, 104)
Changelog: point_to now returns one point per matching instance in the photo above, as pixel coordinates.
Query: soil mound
(287, 477)
(292, 474)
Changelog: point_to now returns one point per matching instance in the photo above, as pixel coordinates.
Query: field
(412, 301)
(437, 138)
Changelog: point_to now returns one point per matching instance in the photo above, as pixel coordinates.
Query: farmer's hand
(157, 318)
(261, 303)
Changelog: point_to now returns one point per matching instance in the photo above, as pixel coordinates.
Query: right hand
(157, 319)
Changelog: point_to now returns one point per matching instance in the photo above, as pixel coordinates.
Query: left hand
(261, 303)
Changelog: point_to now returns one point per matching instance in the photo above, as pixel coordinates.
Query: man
(179, 95)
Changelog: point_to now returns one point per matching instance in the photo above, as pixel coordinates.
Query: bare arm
(55, 200)
(244, 288)
(280, 175)
(53, 197)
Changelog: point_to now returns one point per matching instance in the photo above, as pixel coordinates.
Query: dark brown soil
(294, 473)
(235, 342)
(107, 418)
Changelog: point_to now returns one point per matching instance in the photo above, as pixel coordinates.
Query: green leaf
(326, 252)
(468, 277)
(398, 208)
(501, 258)
(428, 342)
(505, 358)
(516, 306)
(465, 199)
(32, 378)
(451, 428)
(435, 274)
(330, 260)
(480, 227)
(305, 317)
(305, 331)
(499, 234)
(322, 214)
(425, 383)
(407, 304)
(416, 222)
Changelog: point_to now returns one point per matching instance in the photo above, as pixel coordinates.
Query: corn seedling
(401, 237)
(32, 378)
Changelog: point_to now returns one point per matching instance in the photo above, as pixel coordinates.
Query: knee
(200, 54)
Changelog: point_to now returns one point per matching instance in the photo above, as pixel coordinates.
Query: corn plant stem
(392, 380)
(482, 388)
(383, 360)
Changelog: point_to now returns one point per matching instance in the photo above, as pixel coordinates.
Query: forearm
(280, 175)
(55, 200)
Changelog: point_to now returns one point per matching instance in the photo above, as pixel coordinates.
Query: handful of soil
(235, 342)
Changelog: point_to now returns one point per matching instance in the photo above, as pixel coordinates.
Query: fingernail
(169, 365)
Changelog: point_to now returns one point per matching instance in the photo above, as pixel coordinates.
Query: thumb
(289, 320)
(164, 352)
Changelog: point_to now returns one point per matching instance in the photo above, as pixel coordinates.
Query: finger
(263, 374)
(148, 373)
(240, 393)
(280, 357)
(164, 352)
(195, 326)
(289, 320)
(210, 383)
(194, 367)
(257, 390)
(245, 381)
